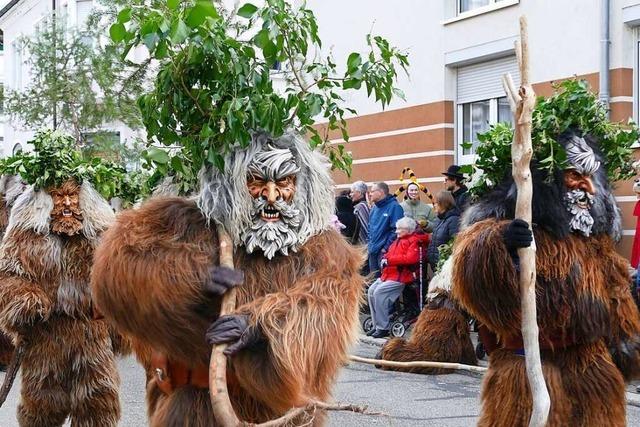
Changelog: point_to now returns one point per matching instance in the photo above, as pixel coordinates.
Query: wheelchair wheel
(367, 324)
(398, 329)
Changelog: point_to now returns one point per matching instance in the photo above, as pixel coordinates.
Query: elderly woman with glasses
(399, 268)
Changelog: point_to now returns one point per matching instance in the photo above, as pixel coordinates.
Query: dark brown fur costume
(68, 368)
(589, 325)
(148, 278)
(441, 334)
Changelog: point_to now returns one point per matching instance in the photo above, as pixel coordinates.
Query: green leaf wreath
(218, 73)
(55, 159)
(572, 105)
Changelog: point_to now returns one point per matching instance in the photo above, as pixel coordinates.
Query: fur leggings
(585, 387)
(69, 370)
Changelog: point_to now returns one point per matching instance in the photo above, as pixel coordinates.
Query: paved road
(408, 399)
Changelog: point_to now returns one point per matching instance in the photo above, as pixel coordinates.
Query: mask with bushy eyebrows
(271, 180)
(66, 215)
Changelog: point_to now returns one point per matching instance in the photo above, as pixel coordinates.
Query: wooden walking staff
(222, 410)
(522, 104)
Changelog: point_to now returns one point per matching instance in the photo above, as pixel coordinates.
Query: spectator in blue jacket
(382, 224)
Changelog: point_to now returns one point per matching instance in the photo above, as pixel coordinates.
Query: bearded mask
(580, 196)
(66, 215)
(271, 181)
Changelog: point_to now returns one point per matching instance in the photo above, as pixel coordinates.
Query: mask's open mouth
(269, 213)
(583, 202)
(67, 213)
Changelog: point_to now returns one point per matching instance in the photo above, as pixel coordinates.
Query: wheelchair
(407, 308)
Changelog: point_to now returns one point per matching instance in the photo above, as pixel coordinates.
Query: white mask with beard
(276, 220)
(578, 202)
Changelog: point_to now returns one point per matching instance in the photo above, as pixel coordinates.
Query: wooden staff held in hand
(522, 104)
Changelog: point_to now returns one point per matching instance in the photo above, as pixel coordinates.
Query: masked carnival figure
(589, 324)
(68, 367)
(156, 276)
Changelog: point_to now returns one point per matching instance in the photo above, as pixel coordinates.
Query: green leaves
(173, 4)
(198, 14)
(157, 155)
(572, 106)
(179, 32)
(117, 32)
(215, 85)
(56, 159)
(247, 10)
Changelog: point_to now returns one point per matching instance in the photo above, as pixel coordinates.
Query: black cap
(454, 172)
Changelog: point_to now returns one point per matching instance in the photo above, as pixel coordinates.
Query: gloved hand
(221, 279)
(234, 328)
(517, 235)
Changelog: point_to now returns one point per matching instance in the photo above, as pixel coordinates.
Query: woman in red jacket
(399, 268)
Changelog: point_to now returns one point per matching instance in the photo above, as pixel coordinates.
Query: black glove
(517, 235)
(234, 328)
(221, 279)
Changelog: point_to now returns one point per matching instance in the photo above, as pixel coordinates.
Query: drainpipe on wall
(604, 54)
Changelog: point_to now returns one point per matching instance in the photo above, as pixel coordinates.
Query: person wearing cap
(454, 182)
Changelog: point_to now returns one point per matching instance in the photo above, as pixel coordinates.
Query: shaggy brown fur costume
(148, 278)
(10, 188)
(441, 334)
(589, 325)
(68, 367)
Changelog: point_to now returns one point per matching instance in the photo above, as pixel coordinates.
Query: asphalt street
(406, 399)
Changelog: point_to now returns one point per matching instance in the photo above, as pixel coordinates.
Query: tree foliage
(572, 106)
(77, 83)
(214, 85)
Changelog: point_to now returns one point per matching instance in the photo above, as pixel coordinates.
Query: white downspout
(605, 43)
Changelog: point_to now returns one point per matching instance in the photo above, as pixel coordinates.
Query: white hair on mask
(442, 280)
(224, 196)
(96, 212)
(32, 211)
(581, 156)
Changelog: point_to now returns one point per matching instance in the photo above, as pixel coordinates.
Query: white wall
(19, 21)
(564, 38)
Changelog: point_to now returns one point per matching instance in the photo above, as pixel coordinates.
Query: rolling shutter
(484, 80)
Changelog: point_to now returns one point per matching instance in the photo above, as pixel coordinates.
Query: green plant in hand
(214, 85)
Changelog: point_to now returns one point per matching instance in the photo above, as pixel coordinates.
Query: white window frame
(459, 10)
(467, 159)
(453, 13)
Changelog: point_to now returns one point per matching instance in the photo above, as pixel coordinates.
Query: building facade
(459, 50)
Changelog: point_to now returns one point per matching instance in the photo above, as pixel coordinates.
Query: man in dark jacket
(454, 182)
(382, 224)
